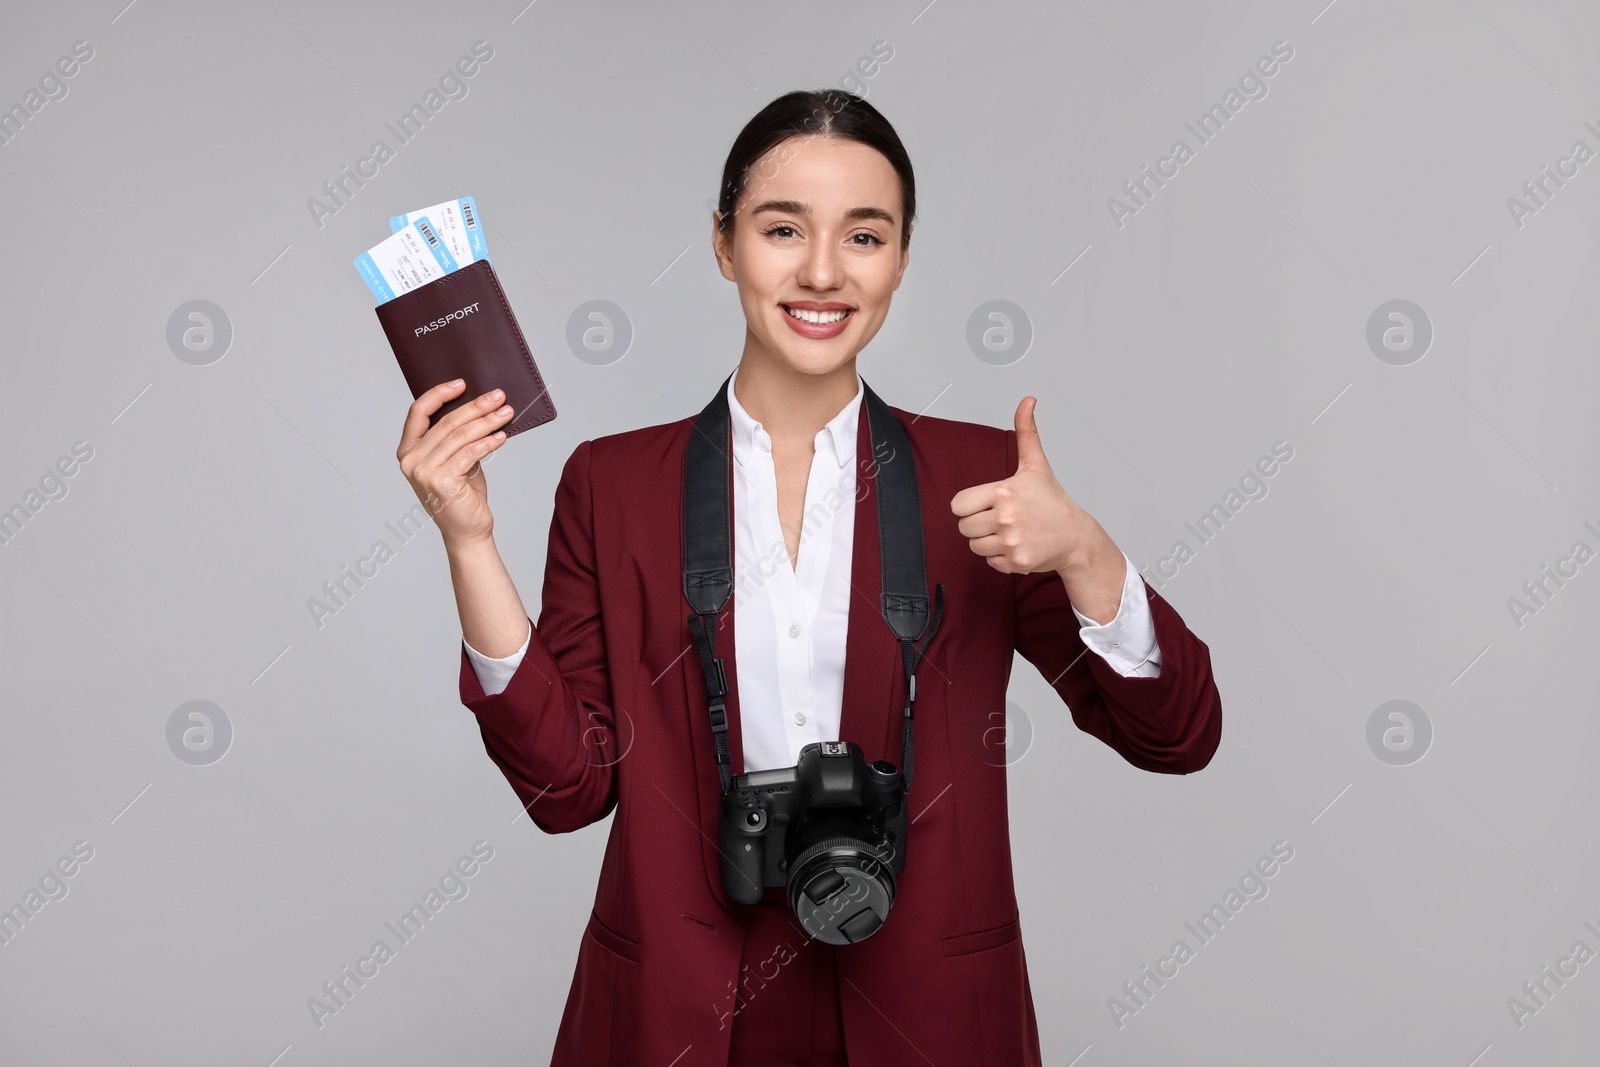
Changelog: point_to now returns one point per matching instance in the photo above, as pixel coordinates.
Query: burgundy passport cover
(460, 326)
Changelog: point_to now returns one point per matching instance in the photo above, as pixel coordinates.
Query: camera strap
(708, 553)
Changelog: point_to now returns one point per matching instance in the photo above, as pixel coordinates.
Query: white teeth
(820, 318)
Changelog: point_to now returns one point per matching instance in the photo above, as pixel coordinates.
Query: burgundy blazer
(608, 711)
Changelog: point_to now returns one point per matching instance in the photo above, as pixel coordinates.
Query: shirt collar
(749, 434)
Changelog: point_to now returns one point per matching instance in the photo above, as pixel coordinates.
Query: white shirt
(790, 622)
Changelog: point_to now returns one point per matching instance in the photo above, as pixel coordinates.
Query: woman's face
(816, 230)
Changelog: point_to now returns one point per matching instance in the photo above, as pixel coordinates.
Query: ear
(722, 246)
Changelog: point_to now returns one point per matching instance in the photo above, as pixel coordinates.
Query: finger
(470, 453)
(977, 498)
(990, 545)
(422, 409)
(469, 432)
(465, 424)
(455, 471)
(1030, 450)
(979, 525)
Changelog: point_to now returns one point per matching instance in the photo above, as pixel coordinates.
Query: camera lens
(840, 890)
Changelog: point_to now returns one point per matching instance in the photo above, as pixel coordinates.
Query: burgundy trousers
(787, 1004)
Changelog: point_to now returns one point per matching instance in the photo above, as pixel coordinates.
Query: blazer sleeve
(552, 730)
(1170, 723)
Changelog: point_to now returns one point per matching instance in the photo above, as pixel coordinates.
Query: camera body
(832, 828)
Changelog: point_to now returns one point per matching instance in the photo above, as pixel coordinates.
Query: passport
(460, 325)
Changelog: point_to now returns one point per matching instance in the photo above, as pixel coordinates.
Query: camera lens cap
(840, 891)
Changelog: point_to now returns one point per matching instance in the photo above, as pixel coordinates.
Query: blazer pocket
(614, 942)
(978, 940)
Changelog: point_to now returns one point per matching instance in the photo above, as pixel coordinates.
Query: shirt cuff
(495, 674)
(1128, 642)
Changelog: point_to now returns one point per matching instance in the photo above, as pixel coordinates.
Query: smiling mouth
(818, 318)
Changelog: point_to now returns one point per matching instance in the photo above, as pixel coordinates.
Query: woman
(602, 704)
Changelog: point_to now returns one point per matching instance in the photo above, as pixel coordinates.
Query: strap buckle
(717, 681)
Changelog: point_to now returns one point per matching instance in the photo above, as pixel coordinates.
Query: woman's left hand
(1027, 523)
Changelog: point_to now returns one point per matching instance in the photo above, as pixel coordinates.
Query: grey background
(1228, 314)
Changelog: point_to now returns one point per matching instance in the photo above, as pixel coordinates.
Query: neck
(792, 405)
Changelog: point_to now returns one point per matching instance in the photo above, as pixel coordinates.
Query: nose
(822, 269)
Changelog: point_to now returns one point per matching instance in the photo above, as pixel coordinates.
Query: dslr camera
(832, 828)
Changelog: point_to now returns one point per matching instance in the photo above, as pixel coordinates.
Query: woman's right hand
(441, 461)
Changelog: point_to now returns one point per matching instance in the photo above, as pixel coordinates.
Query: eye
(774, 229)
(873, 238)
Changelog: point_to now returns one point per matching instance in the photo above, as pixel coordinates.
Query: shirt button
(799, 718)
(794, 630)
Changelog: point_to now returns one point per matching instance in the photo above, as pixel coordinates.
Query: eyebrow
(799, 207)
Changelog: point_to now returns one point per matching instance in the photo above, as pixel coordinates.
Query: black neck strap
(708, 552)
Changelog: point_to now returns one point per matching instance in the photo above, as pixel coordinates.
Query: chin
(815, 358)
(812, 356)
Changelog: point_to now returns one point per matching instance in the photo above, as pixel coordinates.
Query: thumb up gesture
(1028, 523)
